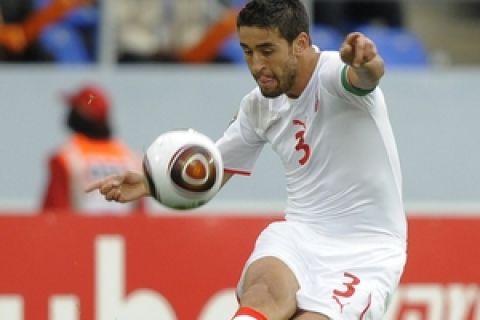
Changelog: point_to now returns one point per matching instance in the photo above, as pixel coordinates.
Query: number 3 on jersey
(301, 146)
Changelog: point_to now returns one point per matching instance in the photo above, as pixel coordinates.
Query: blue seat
(325, 37)
(64, 39)
(84, 17)
(397, 46)
(65, 44)
(231, 50)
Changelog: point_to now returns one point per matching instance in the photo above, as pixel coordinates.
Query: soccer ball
(184, 169)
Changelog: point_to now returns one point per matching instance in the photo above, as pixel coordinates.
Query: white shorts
(340, 278)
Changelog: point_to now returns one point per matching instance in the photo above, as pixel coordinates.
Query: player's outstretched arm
(366, 65)
(122, 188)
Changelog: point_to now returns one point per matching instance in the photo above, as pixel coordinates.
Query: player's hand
(121, 188)
(357, 50)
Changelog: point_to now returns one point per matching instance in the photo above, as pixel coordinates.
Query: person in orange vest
(91, 152)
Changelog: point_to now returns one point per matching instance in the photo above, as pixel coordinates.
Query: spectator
(90, 153)
(172, 31)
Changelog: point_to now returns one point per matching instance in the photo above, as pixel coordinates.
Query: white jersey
(337, 148)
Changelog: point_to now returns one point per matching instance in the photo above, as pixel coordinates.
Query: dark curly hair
(288, 16)
(92, 129)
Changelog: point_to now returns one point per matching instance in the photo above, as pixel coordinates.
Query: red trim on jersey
(246, 311)
(237, 171)
(362, 315)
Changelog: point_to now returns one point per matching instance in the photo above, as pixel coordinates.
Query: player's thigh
(306, 315)
(274, 275)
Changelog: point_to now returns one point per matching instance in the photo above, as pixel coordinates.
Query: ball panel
(193, 169)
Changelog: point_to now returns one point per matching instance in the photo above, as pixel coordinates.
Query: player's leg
(268, 291)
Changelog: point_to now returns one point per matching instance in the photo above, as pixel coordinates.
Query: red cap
(92, 102)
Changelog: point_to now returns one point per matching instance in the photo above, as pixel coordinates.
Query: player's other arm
(366, 66)
(129, 186)
(125, 187)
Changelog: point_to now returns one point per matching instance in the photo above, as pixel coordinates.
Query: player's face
(270, 60)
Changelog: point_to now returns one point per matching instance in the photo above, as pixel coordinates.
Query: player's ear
(301, 43)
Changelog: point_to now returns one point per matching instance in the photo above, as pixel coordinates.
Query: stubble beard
(283, 86)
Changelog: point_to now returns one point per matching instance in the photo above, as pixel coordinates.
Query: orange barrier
(185, 267)
(208, 46)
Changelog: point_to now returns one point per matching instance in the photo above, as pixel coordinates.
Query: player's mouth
(265, 81)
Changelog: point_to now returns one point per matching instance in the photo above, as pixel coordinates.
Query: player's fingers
(346, 53)
(351, 37)
(358, 58)
(370, 51)
(113, 194)
(95, 185)
(110, 183)
(105, 183)
(357, 49)
(108, 186)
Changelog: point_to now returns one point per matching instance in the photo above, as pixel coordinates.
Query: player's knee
(257, 295)
(276, 304)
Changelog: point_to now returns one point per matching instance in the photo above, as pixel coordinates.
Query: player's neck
(306, 67)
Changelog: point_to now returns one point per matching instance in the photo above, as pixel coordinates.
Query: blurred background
(167, 64)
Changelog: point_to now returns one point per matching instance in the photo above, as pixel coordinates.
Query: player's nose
(257, 63)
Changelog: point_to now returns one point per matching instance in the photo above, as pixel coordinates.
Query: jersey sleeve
(240, 145)
(334, 79)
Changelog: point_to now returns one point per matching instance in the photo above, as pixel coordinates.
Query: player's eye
(267, 52)
(247, 52)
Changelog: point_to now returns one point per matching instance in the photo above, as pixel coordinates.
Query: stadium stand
(397, 45)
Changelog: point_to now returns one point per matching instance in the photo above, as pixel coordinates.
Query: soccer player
(341, 249)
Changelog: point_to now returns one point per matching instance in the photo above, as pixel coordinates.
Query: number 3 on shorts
(350, 284)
